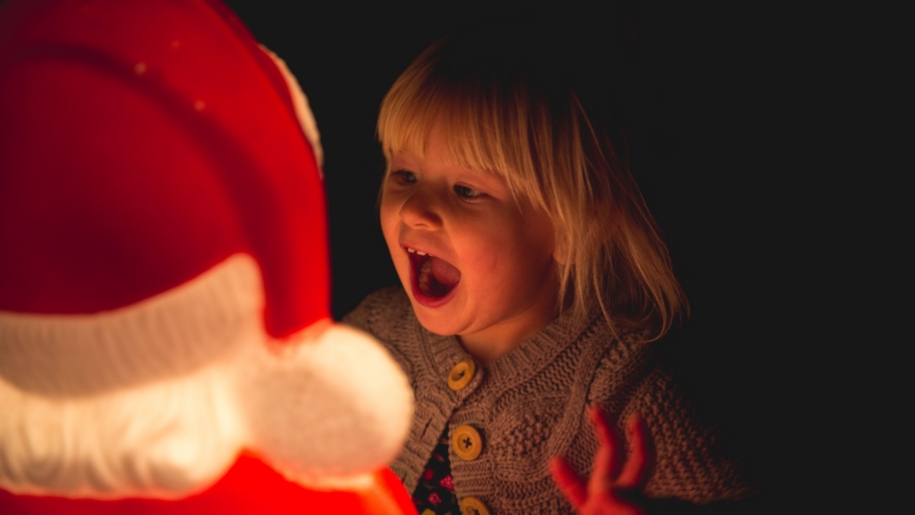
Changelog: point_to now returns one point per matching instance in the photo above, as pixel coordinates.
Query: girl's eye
(467, 193)
(405, 177)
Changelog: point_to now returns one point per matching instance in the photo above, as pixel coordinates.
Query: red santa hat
(159, 192)
(143, 153)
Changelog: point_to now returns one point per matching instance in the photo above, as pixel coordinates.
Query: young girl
(534, 280)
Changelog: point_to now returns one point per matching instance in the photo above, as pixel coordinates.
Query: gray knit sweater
(530, 404)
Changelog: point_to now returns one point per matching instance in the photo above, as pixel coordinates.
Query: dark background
(712, 129)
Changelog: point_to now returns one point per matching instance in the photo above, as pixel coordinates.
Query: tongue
(444, 272)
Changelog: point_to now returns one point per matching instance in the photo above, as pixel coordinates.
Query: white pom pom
(327, 411)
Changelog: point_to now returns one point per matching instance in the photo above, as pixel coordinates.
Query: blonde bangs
(488, 131)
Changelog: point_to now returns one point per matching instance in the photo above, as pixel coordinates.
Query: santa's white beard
(162, 440)
(158, 399)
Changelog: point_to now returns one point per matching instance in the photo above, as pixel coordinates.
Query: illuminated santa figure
(165, 338)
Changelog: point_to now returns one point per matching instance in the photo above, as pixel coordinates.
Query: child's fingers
(569, 482)
(606, 462)
(635, 470)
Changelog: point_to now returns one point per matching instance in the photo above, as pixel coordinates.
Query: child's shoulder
(625, 360)
(387, 297)
(381, 310)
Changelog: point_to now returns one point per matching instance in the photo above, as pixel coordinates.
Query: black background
(711, 128)
(727, 111)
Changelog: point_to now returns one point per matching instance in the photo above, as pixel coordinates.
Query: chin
(436, 323)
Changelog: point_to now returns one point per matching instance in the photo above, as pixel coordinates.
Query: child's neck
(494, 342)
(485, 351)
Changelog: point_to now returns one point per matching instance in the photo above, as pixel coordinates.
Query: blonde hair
(508, 107)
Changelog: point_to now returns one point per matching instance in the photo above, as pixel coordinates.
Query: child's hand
(610, 488)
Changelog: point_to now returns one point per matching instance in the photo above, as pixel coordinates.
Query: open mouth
(434, 279)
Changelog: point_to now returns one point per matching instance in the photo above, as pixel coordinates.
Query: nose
(421, 210)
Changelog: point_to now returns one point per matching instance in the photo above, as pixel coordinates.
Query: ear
(562, 252)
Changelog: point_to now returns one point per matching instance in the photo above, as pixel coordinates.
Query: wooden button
(462, 374)
(466, 443)
(473, 506)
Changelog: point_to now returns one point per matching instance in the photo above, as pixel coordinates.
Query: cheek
(525, 239)
(539, 236)
(494, 258)
(388, 215)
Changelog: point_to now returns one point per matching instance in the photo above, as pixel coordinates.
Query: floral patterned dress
(434, 495)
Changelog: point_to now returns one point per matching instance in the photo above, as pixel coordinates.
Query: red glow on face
(495, 284)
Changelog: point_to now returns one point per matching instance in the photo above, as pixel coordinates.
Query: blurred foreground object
(165, 333)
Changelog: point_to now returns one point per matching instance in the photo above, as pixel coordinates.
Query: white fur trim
(302, 108)
(164, 440)
(170, 334)
(349, 401)
(321, 412)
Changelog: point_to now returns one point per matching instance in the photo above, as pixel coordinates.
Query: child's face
(491, 280)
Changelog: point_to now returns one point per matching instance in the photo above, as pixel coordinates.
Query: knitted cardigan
(530, 404)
